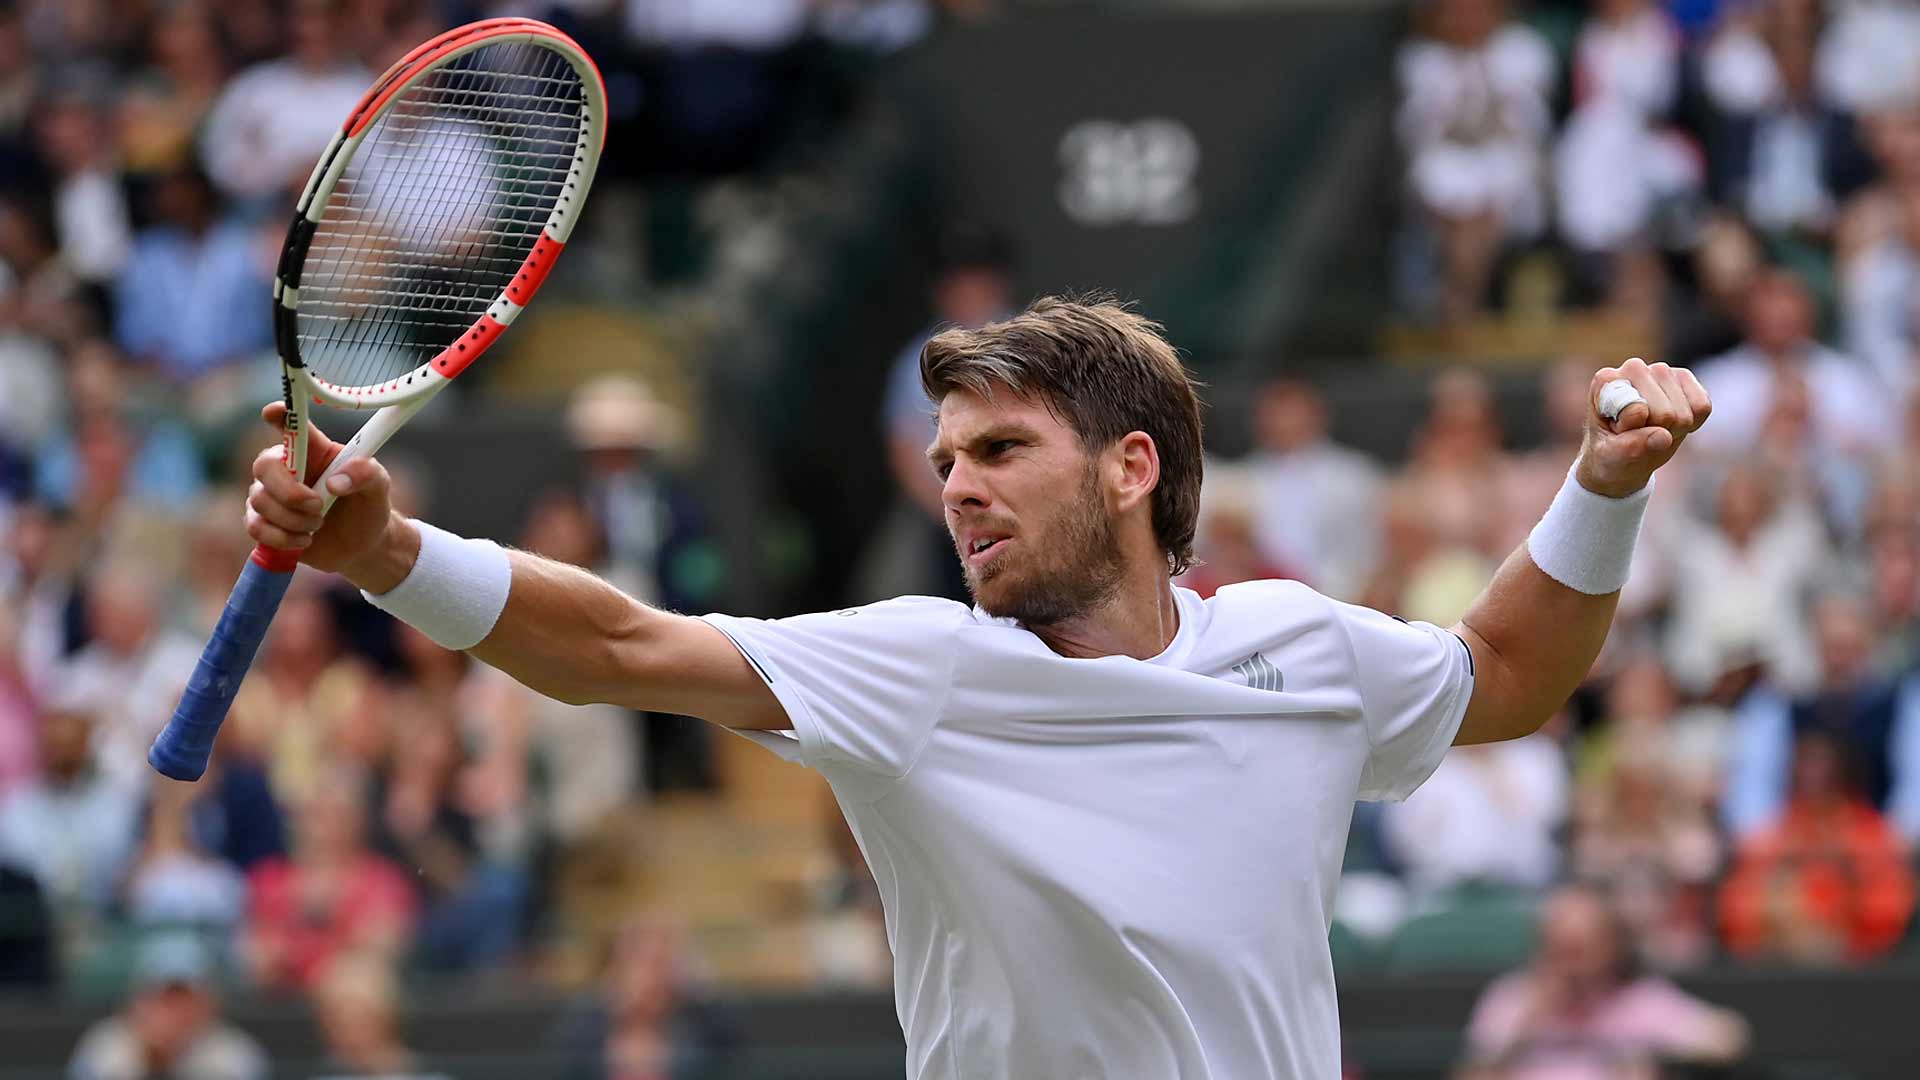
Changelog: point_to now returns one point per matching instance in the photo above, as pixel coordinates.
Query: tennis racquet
(428, 224)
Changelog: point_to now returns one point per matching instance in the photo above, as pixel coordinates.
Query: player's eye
(1000, 446)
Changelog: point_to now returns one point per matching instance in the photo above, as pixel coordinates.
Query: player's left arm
(1534, 637)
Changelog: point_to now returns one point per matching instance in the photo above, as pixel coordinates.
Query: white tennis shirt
(1112, 867)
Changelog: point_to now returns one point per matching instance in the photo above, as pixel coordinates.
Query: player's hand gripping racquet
(430, 221)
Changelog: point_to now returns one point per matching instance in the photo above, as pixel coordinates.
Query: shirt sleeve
(864, 687)
(1415, 680)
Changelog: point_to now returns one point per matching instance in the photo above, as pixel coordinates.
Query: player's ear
(1137, 468)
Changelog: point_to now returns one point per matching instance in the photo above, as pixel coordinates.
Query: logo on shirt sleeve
(1260, 673)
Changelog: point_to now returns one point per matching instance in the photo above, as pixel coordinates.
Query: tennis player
(1106, 816)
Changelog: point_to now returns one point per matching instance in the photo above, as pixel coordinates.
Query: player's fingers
(271, 472)
(362, 476)
(289, 517)
(1630, 417)
(320, 448)
(1647, 382)
(1668, 378)
(1697, 398)
(273, 536)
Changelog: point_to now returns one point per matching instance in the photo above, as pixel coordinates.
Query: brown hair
(1106, 372)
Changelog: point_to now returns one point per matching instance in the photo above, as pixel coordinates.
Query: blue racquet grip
(186, 743)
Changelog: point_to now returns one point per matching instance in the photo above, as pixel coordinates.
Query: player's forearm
(574, 637)
(1533, 641)
(562, 631)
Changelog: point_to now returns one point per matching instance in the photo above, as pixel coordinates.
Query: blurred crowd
(1739, 779)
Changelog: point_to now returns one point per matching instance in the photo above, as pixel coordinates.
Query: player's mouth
(983, 547)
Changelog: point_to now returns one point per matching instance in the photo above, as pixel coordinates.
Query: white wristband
(1585, 541)
(455, 591)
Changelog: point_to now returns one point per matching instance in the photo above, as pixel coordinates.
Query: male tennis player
(1106, 816)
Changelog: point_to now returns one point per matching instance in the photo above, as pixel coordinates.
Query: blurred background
(1394, 238)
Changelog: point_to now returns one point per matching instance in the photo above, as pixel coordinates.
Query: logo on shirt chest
(1259, 673)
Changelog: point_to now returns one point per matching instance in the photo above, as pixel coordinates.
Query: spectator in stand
(19, 83)
(307, 704)
(1487, 816)
(39, 590)
(1873, 714)
(1743, 579)
(357, 1001)
(1618, 166)
(1825, 882)
(1893, 575)
(72, 828)
(117, 456)
(1879, 289)
(717, 71)
(1781, 154)
(176, 882)
(39, 293)
(1584, 1011)
(1640, 828)
(588, 756)
(170, 1028)
(89, 203)
(134, 668)
(331, 896)
(1457, 465)
(1865, 60)
(470, 904)
(1228, 538)
(1316, 504)
(973, 286)
(187, 303)
(647, 524)
(1474, 121)
(651, 1019)
(19, 717)
(165, 101)
(1852, 414)
(274, 118)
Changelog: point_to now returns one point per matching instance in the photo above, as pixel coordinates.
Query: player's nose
(964, 487)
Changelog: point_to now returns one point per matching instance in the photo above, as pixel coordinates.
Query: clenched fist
(1619, 456)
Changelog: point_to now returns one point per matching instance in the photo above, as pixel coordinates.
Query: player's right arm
(563, 631)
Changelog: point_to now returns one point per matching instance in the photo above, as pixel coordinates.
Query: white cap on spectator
(619, 412)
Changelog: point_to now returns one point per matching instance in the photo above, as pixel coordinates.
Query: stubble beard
(1067, 570)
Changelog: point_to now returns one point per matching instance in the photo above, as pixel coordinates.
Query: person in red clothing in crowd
(330, 896)
(1826, 882)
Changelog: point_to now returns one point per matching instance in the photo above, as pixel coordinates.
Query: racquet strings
(436, 212)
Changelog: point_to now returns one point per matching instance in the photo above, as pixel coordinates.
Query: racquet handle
(186, 743)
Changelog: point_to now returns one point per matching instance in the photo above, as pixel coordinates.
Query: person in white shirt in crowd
(1737, 582)
(1316, 504)
(1488, 815)
(275, 118)
(1865, 59)
(1780, 148)
(1852, 413)
(1091, 794)
(171, 1026)
(89, 204)
(132, 670)
(72, 828)
(1617, 163)
(1880, 291)
(1474, 121)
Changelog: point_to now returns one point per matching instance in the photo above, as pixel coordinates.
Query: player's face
(1028, 515)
